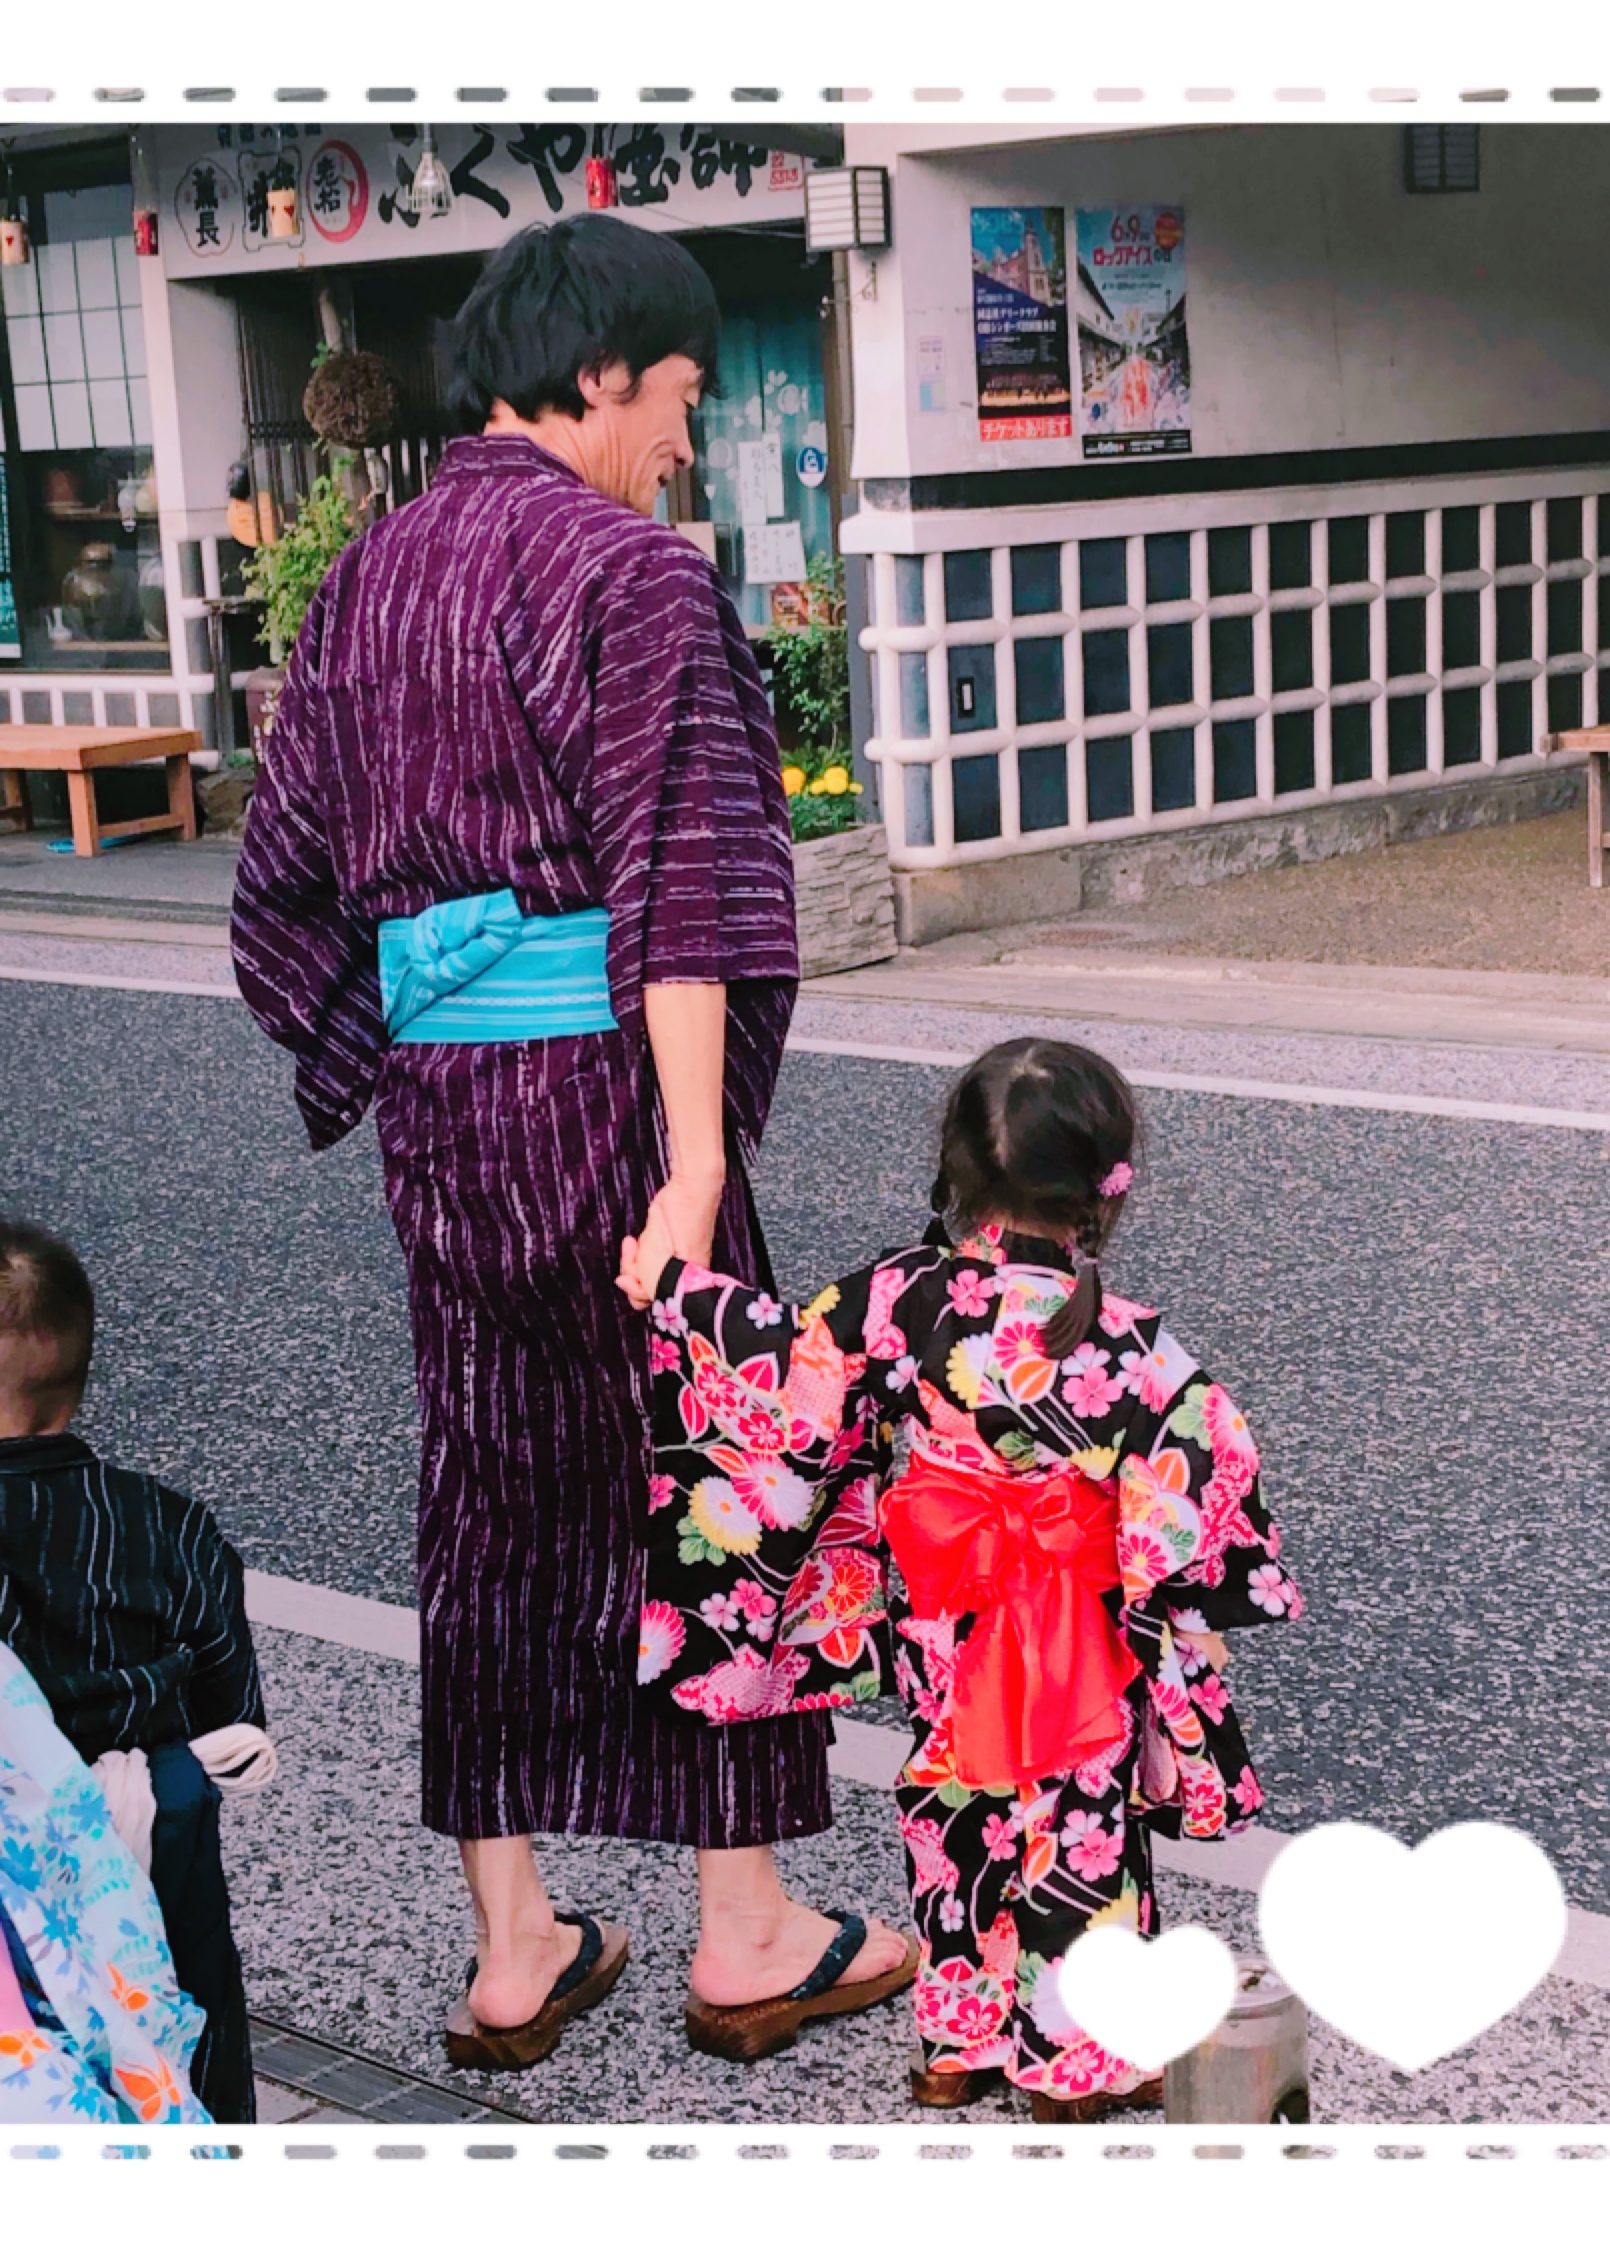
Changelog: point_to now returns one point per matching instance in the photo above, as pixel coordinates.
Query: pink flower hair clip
(1117, 1181)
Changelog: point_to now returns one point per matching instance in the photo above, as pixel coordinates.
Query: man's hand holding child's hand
(644, 1257)
(628, 1280)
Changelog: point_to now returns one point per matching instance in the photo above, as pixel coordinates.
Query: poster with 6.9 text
(1134, 355)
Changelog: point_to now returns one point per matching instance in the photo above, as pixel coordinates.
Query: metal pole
(223, 692)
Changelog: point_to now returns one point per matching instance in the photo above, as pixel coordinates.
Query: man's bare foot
(508, 1992)
(745, 1958)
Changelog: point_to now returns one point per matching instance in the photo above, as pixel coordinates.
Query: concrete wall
(1140, 869)
(1327, 306)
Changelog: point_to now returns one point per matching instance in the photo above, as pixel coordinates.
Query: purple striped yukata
(518, 683)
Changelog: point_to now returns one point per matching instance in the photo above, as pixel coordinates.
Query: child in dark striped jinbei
(126, 1605)
(1072, 1508)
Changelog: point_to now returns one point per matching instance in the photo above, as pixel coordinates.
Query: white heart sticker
(1148, 2002)
(1411, 1953)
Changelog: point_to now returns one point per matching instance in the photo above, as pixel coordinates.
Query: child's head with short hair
(1039, 1137)
(47, 1331)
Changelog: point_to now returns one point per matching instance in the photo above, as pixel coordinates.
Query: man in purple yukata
(518, 873)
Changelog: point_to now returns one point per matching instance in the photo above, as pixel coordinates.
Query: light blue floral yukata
(113, 2033)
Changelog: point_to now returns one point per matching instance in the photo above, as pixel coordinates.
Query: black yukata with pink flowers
(784, 1442)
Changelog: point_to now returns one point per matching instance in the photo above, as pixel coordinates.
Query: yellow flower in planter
(793, 780)
(835, 781)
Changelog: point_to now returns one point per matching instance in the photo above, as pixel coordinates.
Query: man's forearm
(687, 1034)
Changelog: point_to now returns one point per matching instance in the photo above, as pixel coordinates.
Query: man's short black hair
(561, 301)
(45, 1296)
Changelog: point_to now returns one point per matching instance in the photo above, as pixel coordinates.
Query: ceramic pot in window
(90, 592)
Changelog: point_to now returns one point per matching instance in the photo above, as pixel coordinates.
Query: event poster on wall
(1020, 324)
(10, 637)
(1134, 360)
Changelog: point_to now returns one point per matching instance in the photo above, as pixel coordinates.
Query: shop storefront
(140, 393)
(82, 586)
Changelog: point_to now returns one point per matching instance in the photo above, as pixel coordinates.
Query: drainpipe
(840, 451)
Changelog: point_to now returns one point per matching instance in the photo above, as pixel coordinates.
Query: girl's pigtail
(1070, 1325)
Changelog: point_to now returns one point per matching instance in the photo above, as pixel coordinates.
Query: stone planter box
(845, 901)
(224, 798)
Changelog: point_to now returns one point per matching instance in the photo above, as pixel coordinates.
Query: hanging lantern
(145, 201)
(603, 189)
(283, 223)
(14, 249)
(430, 192)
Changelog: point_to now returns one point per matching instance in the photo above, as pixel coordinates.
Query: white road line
(943, 1057)
(870, 1754)
(118, 982)
(1247, 1088)
(373, 1626)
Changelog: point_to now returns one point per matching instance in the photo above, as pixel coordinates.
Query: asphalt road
(1409, 1309)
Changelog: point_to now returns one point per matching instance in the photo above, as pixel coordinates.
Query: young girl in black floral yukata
(1072, 1508)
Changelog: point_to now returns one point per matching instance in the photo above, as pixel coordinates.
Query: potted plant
(284, 576)
(841, 861)
(351, 404)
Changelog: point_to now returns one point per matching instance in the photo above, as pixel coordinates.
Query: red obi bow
(1040, 1674)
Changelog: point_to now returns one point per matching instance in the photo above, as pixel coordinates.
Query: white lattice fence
(1047, 675)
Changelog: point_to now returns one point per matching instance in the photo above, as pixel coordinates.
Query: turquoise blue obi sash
(478, 971)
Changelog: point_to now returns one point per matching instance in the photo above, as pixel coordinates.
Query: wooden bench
(80, 752)
(1596, 741)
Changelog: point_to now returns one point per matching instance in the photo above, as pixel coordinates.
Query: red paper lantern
(14, 248)
(145, 233)
(603, 190)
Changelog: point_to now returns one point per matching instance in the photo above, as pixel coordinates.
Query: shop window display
(772, 396)
(85, 551)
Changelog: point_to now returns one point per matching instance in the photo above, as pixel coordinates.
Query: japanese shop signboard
(351, 187)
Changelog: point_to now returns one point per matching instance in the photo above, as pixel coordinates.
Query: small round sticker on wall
(810, 466)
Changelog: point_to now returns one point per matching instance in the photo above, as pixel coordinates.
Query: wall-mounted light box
(847, 208)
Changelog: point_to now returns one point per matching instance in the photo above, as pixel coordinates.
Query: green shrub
(285, 576)
(811, 666)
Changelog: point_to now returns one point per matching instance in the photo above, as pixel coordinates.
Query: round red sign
(338, 191)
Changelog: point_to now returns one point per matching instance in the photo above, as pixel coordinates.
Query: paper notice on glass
(774, 553)
(760, 479)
